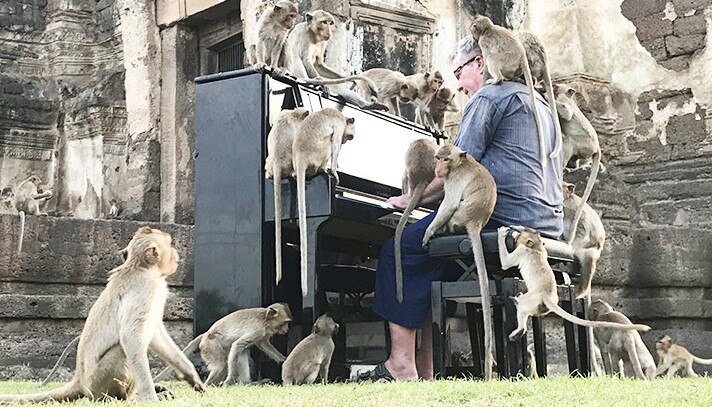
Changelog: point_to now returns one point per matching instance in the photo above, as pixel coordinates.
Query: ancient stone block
(694, 24)
(684, 44)
(656, 47)
(677, 64)
(652, 26)
(634, 9)
(682, 6)
(666, 256)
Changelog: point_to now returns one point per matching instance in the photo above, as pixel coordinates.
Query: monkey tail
(537, 119)
(633, 356)
(595, 166)
(701, 361)
(22, 232)
(190, 348)
(69, 392)
(554, 307)
(479, 254)
(414, 200)
(62, 357)
(277, 178)
(554, 112)
(302, 206)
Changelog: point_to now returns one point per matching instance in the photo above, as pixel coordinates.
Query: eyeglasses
(456, 72)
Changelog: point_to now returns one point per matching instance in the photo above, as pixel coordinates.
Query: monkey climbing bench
(510, 356)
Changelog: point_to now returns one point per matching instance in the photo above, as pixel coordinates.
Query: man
(498, 129)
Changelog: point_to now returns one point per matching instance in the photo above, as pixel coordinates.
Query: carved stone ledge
(399, 19)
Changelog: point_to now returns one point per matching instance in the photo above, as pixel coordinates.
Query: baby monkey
(506, 59)
(271, 37)
(673, 358)
(312, 356)
(541, 296)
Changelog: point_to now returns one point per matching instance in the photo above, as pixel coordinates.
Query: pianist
(498, 130)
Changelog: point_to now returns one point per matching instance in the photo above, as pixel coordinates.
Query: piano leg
(309, 309)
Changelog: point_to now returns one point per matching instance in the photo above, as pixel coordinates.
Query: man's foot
(378, 374)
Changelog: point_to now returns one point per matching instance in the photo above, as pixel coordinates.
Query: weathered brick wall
(46, 293)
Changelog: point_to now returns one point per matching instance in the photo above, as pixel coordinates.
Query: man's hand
(399, 202)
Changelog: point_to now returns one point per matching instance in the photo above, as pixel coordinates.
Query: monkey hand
(426, 238)
(325, 91)
(502, 232)
(259, 67)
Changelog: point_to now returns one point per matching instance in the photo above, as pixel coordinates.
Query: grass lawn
(558, 392)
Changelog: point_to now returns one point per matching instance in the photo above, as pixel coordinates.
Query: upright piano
(234, 230)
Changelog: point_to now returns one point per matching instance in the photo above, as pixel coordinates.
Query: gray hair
(466, 46)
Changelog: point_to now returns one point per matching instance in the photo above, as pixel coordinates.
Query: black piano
(234, 230)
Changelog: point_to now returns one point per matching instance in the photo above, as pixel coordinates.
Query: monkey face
(531, 239)
(568, 189)
(663, 344)
(436, 82)
(598, 308)
(447, 158)
(278, 317)
(286, 13)
(36, 180)
(321, 24)
(349, 130)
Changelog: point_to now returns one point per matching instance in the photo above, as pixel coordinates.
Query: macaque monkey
(279, 164)
(530, 367)
(113, 209)
(505, 59)
(419, 171)
(393, 88)
(316, 146)
(225, 346)
(308, 41)
(271, 37)
(312, 356)
(580, 143)
(427, 84)
(620, 346)
(442, 101)
(588, 242)
(125, 322)
(470, 195)
(587, 246)
(27, 201)
(541, 297)
(673, 358)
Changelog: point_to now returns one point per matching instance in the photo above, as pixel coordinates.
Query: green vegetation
(558, 392)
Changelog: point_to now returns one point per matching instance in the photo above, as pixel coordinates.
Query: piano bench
(504, 284)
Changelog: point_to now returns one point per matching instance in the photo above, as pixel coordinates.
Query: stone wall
(46, 293)
(97, 99)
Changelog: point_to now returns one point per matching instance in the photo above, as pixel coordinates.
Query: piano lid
(377, 152)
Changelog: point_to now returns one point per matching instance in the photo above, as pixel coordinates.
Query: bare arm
(433, 192)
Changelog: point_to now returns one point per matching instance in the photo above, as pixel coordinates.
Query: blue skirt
(419, 271)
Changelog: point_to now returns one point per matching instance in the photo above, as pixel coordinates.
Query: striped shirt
(499, 131)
